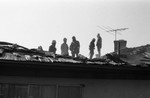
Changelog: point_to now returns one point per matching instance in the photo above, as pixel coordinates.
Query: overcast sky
(31, 23)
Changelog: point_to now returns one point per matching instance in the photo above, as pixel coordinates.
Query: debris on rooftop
(136, 56)
(128, 56)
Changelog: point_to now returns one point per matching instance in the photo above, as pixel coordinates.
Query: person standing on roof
(52, 48)
(99, 44)
(75, 47)
(92, 47)
(64, 48)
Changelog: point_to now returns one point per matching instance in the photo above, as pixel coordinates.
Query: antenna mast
(116, 31)
(109, 29)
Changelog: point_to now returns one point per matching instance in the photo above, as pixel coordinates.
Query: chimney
(118, 45)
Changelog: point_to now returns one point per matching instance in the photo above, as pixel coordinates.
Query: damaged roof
(14, 52)
(129, 56)
(17, 60)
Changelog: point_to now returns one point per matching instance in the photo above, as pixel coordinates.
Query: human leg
(73, 54)
(98, 50)
(91, 54)
(77, 54)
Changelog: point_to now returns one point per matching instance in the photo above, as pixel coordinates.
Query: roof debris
(128, 57)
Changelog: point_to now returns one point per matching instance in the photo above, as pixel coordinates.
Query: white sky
(31, 23)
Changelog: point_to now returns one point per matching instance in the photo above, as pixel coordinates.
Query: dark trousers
(75, 54)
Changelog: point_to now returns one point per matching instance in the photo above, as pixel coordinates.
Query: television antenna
(109, 29)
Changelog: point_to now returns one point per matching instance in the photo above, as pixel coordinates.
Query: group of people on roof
(75, 47)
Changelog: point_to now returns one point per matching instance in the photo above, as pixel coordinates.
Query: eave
(72, 70)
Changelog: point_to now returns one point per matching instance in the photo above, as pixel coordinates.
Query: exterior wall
(94, 88)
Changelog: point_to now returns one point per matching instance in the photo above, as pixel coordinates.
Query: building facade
(44, 80)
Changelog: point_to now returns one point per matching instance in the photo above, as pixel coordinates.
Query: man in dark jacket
(99, 44)
(92, 47)
(75, 47)
(52, 48)
(64, 48)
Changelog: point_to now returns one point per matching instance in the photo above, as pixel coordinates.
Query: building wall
(92, 88)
